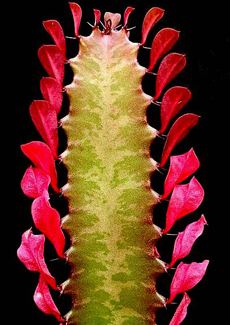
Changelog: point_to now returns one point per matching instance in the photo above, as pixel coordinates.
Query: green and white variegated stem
(114, 272)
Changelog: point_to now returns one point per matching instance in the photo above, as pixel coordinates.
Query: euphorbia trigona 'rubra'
(113, 253)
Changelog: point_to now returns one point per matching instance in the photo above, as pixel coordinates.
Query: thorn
(131, 28)
(171, 234)
(156, 103)
(173, 303)
(162, 168)
(153, 73)
(54, 259)
(102, 24)
(118, 26)
(61, 195)
(59, 161)
(164, 200)
(70, 37)
(146, 47)
(161, 136)
(160, 171)
(90, 24)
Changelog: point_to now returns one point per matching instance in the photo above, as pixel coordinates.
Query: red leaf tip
(177, 133)
(47, 220)
(31, 254)
(127, 13)
(186, 277)
(77, 15)
(181, 311)
(51, 90)
(44, 300)
(185, 199)
(169, 68)
(186, 239)
(97, 16)
(173, 101)
(55, 30)
(52, 59)
(164, 40)
(44, 117)
(181, 167)
(150, 20)
(41, 156)
(34, 182)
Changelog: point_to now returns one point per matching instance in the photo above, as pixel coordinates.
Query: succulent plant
(113, 254)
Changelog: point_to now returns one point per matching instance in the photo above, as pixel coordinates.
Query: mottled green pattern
(114, 270)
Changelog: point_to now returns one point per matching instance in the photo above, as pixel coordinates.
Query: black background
(205, 41)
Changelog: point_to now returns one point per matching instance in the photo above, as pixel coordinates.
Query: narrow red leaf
(185, 199)
(44, 117)
(44, 300)
(151, 18)
(31, 254)
(51, 90)
(169, 68)
(181, 167)
(177, 133)
(173, 101)
(77, 14)
(181, 311)
(52, 59)
(97, 16)
(127, 13)
(34, 182)
(186, 277)
(41, 156)
(163, 42)
(56, 32)
(47, 220)
(186, 239)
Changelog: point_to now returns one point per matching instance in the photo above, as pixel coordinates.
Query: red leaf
(44, 117)
(31, 254)
(164, 40)
(52, 91)
(40, 154)
(181, 167)
(185, 199)
(34, 182)
(173, 101)
(181, 311)
(44, 300)
(77, 14)
(186, 239)
(177, 133)
(52, 59)
(97, 15)
(151, 18)
(169, 68)
(127, 13)
(186, 277)
(47, 220)
(56, 32)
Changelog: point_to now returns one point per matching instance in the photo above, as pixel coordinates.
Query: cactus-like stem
(109, 166)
